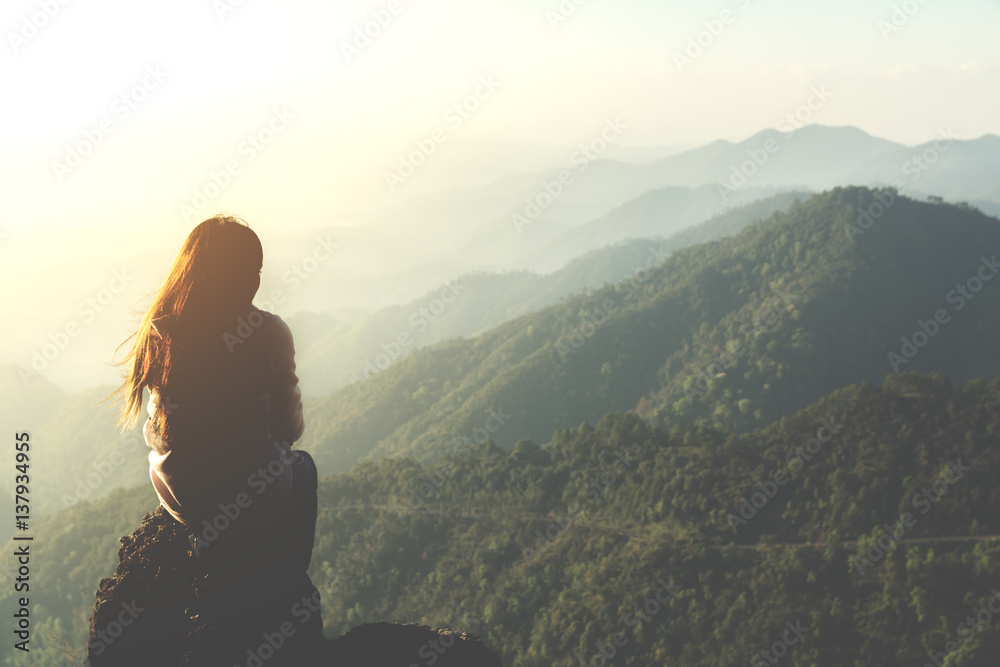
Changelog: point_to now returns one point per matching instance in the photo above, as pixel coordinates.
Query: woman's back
(233, 406)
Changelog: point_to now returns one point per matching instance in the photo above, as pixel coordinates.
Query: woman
(223, 410)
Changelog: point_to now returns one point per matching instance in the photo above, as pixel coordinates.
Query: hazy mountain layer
(734, 332)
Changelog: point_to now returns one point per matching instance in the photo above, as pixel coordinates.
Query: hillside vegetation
(332, 353)
(733, 333)
(875, 537)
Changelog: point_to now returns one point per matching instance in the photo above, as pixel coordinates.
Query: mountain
(77, 452)
(662, 352)
(867, 523)
(93, 457)
(657, 213)
(730, 333)
(951, 166)
(615, 528)
(989, 208)
(645, 154)
(414, 244)
(821, 157)
(30, 401)
(330, 352)
(31, 407)
(477, 224)
(813, 157)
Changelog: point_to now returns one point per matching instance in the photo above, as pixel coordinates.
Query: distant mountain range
(435, 237)
(93, 457)
(332, 351)
(398, 254)
(727, 332)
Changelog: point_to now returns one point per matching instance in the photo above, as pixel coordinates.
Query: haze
(331, 122)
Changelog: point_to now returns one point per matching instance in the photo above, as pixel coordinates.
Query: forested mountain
(35, 405)
(27, 396)
(747, 468)
(81, 455)
(331, 351)
(77, 452)
(731, 333)
(706, 338)
(868, 522)
(399, 252)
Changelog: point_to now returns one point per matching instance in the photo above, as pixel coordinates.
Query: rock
(239, 601)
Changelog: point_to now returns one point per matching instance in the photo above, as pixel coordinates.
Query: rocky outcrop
(175, 600)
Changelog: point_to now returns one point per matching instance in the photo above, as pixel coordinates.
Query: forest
(867, 522)
(714, 460)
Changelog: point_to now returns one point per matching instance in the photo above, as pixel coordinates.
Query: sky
(224, 68)
(127, 123)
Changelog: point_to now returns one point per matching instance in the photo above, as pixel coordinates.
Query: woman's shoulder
(253, 328)
(271, 324)
(272, 319)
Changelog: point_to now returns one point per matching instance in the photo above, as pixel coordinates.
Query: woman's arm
(286, 422)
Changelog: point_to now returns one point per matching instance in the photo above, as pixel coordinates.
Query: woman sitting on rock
(223, 410)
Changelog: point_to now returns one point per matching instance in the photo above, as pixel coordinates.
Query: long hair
(213, 277)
